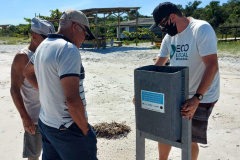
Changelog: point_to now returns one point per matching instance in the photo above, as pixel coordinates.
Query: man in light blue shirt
(59, 73)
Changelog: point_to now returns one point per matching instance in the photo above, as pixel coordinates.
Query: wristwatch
(199, 96)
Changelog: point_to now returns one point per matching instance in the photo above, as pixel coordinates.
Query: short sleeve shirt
(187, 49)
(56, 58)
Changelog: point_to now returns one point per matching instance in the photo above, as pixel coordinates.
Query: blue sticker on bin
(152, 101)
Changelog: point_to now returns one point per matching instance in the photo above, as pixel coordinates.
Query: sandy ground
(109, 90)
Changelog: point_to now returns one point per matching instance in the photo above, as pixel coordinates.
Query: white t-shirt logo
(181, 51)
(172, 51)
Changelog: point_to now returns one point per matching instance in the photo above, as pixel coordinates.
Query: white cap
(77, 17)
(41, 26)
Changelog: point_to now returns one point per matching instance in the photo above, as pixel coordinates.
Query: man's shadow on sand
(113, 49)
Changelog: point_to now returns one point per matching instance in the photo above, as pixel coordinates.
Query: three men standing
(59, 72)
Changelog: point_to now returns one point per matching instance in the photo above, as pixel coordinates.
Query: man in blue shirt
(60, 73)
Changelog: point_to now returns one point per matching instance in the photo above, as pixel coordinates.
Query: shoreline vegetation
(14, 40)
(225, 49)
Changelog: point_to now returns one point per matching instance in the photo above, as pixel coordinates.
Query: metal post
(186, 139)
(140, 146)
(186, 124)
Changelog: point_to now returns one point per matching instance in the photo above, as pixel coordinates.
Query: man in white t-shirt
(193, 43)
(24, 95)
(63, 123)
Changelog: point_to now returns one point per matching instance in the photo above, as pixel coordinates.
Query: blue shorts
(68, 143)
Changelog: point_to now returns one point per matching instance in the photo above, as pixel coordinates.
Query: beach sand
(109, 86)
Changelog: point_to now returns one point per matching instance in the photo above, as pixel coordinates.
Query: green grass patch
(14, 40)
(231, 49)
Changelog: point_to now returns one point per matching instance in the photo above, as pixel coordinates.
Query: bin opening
(165, 69)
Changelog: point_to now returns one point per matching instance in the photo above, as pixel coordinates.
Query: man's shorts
(200, 122)
(32, 144)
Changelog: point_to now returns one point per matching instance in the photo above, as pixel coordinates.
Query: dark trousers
(68, 143)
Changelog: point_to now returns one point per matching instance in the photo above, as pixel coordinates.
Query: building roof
(141, 22)
(108, 10)
(4, 26)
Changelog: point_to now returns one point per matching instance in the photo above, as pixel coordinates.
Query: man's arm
(17, 79)
(29, 73)
(161, 61)
(74, 102)
(211, 64)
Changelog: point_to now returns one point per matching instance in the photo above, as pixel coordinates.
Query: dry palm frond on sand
(111, 130)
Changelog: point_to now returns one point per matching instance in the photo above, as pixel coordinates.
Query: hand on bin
(190, 107)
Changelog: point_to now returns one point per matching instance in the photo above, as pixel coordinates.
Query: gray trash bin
(160, 92)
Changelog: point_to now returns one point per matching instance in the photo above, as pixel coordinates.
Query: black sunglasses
(87, 36)
(162, 25)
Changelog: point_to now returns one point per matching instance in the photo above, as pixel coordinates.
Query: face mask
(170, 29)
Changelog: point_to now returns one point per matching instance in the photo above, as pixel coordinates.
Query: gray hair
(64, 24)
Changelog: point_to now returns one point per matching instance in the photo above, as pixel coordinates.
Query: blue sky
(13, 11)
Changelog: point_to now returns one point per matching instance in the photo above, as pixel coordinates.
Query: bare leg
(195, 151)
(164, 150)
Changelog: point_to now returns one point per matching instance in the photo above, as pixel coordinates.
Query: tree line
(225, 15)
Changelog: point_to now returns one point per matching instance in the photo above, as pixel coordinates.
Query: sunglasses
(162, 25)
(87, 36)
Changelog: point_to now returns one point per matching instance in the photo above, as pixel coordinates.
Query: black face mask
(170, 29)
